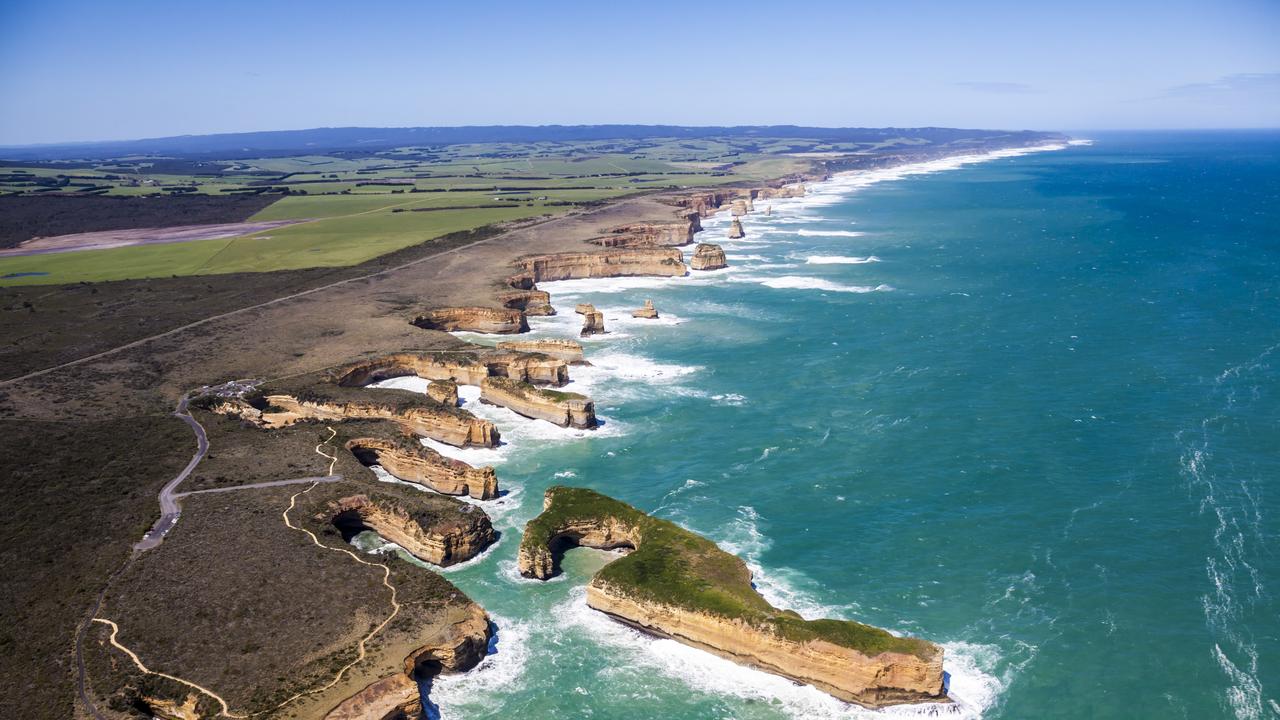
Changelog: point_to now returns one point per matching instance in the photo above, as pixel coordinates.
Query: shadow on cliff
(427, 673)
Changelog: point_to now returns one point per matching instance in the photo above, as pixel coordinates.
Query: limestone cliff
(568, 350)
(563, 409)
(739, 207)
(424, 417)
(592, 323)
(584, 308)
(653, 233)
(679, 585)
(786, 191)
(474, 319)
(444, 392)
(735, 230)
(420, 526)
(612, 262)
(704, 204)
(412, 462)
(648, 312)
(468, 367)
(708, 257)
(530, 302)
(457, 647)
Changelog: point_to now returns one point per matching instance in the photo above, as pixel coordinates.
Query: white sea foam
(408, 382)
(829, 233)
(497, 508)
(480, 690)
(800, 282)
(971, 687)
(840, 260)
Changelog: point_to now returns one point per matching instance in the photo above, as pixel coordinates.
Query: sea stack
(708, 257)
(648, 312)
(584, 308)
(739, 207)
(592, 322)
(736, 231)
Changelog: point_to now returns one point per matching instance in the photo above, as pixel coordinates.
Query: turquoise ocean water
(1028, 408)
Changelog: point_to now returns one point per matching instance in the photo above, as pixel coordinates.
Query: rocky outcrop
(739, 207)
(708, 257)
(650, 233)
(394, 697)
(439, 537)
(679, 585)
(427, 418)
(584, 308)
(592, 323)
(704, 204)
(444, 392)
(468, 367)
(735, 230)
(568, 350)
(473, 319)
(648, 312)
(562, 408)
(887, 678)
(412, 462)
(786, 191)
(457, 647)
(613, 262)
(530, 302)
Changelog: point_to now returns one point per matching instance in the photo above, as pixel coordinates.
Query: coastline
(972, 689)
(379, 332)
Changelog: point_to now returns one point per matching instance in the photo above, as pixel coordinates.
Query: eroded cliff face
(539, 560)
(444, 392)
(648, 312)
(886, 679)
(563, 409)
(466, 368)
(592, 323)
(568, 350)
(412, 462)
(440, 540)
(708, 257)
(676, 233)
(786, 191)
(452, 426)
(459, 646)
(473, 319)
(735, 230)
(612, 262)
(531, 302)
(682, 586)
(739, 207)
(704, 204)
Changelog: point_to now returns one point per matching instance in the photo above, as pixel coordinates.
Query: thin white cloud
(1260, 83)
(998, 88)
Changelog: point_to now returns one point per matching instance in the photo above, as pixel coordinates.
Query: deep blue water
(1041, 428)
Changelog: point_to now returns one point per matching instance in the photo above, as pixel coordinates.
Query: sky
(74, 70)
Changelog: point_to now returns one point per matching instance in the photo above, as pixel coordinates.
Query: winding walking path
(171, 510)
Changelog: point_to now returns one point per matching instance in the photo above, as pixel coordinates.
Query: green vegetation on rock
(673, 566)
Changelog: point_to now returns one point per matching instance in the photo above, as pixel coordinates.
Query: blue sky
(72, 70)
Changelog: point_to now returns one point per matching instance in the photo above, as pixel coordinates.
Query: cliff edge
(680, 585)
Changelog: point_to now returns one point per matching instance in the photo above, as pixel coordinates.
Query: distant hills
(365, 139)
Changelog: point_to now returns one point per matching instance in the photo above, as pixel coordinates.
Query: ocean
(1027, 408)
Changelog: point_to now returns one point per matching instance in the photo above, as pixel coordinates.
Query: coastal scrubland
(89, 444)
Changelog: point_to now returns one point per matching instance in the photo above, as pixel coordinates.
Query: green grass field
(354, 209)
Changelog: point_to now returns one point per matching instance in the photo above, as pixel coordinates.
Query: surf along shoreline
(977, 696)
